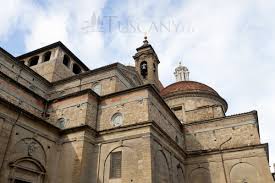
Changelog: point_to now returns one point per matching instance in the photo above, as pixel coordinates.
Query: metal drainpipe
(9, 140)
(224, 172)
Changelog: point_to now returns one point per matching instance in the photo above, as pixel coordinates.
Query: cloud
(63, 21)
(11, 16)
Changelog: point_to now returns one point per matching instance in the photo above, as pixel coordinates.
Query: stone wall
(125, 104)
(136, 156)
(110, 82)
(211, 134)
(167, 161)
(204, 113)
(165, 120)
(21, 74)
(189, 109)
(27, 142)
(20, 96)
(74, 110)
(247, 165)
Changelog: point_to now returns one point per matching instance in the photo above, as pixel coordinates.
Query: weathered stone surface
(54, 128)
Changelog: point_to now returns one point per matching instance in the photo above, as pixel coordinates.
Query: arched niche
(161, 168)
(200, 175)
(28, 147)
(244, 173)
(129, 166)
(180, 174)
(27, 170)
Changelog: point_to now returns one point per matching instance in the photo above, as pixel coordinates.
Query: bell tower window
(143, 69)
(33, 61)
(76, 69)
(66, 60)
(47, 56)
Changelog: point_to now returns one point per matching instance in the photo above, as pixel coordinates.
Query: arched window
(143, 69)
(66, 60)
(115, 164)
(200, 175)
(97, 88)
(180, 174)
(117, 119)
(27, 166)
(47, 56)
(76, 69)
(33, 61)
(244, 173)
(161, 167)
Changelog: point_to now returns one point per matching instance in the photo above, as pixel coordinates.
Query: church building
(61, 122)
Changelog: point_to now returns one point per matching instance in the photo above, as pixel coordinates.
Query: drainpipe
(9, 140)
(221, 153)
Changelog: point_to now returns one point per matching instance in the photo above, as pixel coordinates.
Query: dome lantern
(181, 73)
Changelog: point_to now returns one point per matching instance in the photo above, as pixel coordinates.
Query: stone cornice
(150, 51)
(222, 118)
(151, 124)
(51, 46)
(26, 89)
(88, 73)
(153, 91)
(28, 114)
(23, 66)
(228, 150)
(197, 94)
(75, 94)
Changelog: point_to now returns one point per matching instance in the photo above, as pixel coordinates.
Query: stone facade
(63, 123)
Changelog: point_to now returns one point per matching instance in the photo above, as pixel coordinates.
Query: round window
(61, 122)
(117, 119)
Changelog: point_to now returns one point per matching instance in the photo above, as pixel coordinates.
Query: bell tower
(146, 64)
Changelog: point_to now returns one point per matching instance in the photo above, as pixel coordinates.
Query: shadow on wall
(77, 160)
(217, 169)
(198, 171)
(25, 161)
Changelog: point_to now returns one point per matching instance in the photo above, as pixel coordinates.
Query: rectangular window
(115, 164)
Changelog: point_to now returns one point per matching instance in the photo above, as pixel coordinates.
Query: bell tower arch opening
(146, 63)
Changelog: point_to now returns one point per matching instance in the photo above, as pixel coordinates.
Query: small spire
(181, 73)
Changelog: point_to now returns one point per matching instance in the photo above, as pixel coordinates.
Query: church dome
(187, 87)
(193, 93)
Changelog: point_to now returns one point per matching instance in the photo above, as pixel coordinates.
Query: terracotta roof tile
(187, 86)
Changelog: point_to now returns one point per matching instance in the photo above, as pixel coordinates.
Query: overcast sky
(228, 45)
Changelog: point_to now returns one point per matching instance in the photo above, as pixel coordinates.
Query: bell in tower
(143, 69)
(146, 63)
